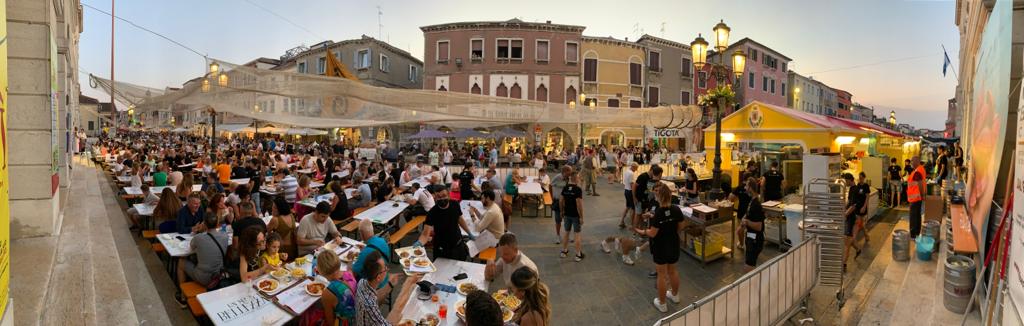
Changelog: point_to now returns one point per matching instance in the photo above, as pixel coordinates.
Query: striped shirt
(367, 311)
(289, 185)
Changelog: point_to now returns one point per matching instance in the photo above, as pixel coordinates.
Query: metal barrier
(769, 294)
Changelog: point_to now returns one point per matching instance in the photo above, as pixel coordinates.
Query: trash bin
(925, 246)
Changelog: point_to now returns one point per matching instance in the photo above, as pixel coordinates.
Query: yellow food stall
(757, 125)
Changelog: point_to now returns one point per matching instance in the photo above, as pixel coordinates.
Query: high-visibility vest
(913, 190)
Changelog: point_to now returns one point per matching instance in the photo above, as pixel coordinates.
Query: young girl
(300, 194)
(273, 256)
(339, 300)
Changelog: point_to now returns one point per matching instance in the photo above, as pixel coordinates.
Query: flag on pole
(945, 61)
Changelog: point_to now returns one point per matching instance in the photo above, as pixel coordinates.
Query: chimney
(549, 22)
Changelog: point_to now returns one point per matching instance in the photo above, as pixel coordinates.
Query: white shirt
(538, 163)
(628, 177)
(448, 157)
(414, 172)
(424, 198)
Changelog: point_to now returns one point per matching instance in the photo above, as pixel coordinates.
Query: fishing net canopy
(315, 101)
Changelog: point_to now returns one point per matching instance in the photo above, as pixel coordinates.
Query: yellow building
(612, 77)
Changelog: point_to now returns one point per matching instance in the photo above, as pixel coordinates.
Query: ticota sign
(666, 133)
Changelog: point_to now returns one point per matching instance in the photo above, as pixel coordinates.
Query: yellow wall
(613, 58)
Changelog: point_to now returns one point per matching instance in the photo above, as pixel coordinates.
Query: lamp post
(221, 79)
(721, 71)
(131, 114)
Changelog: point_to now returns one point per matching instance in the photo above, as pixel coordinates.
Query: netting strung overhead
(316, 101)
(125, 92)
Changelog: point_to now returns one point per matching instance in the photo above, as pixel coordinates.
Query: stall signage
(755, 117)
(665, 133)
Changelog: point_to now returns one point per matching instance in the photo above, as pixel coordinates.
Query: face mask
(443, 202)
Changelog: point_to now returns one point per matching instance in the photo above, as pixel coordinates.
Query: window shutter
(442, 51)
(542, 50)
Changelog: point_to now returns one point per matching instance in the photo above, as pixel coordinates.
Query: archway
(613, 138)
(502, 90)
(475, 89)
(556, 140)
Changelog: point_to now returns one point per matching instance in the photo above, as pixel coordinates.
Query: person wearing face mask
(443, 225)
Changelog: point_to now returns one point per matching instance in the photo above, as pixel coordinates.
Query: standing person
(690, 187)
(666, 223)
(628, 178)
(773, 182)
(915, 187)
(855, 199)
(442, 226)
(466, 182)
(572, 215)
(589, 173)
(958, 160)
(895, 182)
(643, 186)
(557, 185)
(863, 190)
(753, 226)
(941, 165)
(742, 198)
(612, 166)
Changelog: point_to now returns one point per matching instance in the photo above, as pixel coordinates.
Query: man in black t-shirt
(571, 207)
(895, 182)
(941, 164)
(442, 226)
(772, 183)
(466, 182)
(255, 182)
(643, 186)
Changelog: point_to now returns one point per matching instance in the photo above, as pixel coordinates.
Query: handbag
(222, 275)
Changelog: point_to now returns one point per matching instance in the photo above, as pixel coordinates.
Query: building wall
(674, 75)
(828, 100)
(397, 74)
(557, 76)
(759, 63)
(805, 94)
(613, 72)
(34, 196)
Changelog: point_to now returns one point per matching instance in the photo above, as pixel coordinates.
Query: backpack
(221, 278)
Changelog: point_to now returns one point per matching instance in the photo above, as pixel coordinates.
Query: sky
(888, 53)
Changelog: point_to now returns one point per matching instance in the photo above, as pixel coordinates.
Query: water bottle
(314, 264)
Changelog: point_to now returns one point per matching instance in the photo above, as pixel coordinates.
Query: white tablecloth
(423, 181)
(530, 188)
(313, 201)
(383, 213)
(137, 191)
(242, 181)
(143, 209)
(176, 247)
(341, 174)
(446, 269)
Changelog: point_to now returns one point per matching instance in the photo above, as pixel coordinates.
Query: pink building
(764, 78)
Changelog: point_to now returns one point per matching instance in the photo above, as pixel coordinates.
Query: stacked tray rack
(823, 217)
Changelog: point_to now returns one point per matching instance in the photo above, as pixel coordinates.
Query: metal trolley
(823, 216)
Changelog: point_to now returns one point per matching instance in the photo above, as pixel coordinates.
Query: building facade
(952, 120)
(844, 101)
(806, 94)
(613, 76)
(515, 59)
(765, 76)
(862, 113)
(375, 62)
(669, 80)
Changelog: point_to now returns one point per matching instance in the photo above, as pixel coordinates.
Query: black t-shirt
(241, 224)
(256, 179)
(942, 162)
(570, 194)
(691, 185)
(341, 211)
(894, 172)
(466, 181)
(445, 222)
(641, 186)
(773, 184)
(666, 219)
(755, 212)
(747, 174)
(239, 172)
(744, 201)
(908, 169)
(857, 196)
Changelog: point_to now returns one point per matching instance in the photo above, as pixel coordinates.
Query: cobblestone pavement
(601, 290)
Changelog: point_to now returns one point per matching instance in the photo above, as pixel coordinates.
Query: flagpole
(945, 56)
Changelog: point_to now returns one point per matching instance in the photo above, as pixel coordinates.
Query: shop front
(612, 136)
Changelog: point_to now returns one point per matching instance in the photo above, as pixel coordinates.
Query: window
(687, 69)
(752, 54)
(476, 49)
(363, 59)
(542, 50)
(750, 80)
(516, 91)
(773, 86)
(570, 94)
(635, 74)
(634, 103)
(590, 70)
(337, 55)
(764, 83)
(92, 125)
(414, 73)
(654, 61)
(302, 67)
(613, 102)
(285, 106)
(502, 90)
(475, 89)
(510, 49)
(783, 67)
(572, 52)
(784, 90)
(385, 63)
(542, 93)
(442, 51)
(684, 98)
(702, 79)
(653, 98)
(321, 65)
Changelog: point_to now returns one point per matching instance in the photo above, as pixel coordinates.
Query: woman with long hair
(251, 243)
(283, 223)
(301, 193)
(753, 226)
(219, 207)
(535, 309)
(168, 206)
(184, 187)
(339, 203)
(665, 224)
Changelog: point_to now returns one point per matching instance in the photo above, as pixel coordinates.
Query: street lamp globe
(721, 36)
(583, 99)
(739, 62)
(699, 51)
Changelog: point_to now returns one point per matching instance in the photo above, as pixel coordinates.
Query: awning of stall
(234, 127)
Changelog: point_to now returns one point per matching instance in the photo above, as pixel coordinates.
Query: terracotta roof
(747, 39)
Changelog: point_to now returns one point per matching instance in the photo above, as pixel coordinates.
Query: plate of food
(315, 289)
(465, 288)
(421, 262)
(298, 273)
(403, 254)
(418, 252)
(330, 245)
(280, 274)
(460, 309)
(429, 320)
(507, 314)
(505, 299)
(350, 256)
(406, 262)
(268, 285)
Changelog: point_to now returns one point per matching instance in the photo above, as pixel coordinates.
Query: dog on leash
(625, 246)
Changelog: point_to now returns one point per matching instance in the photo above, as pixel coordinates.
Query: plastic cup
(442, 311)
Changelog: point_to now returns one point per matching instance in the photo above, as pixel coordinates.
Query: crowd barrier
(768, 295)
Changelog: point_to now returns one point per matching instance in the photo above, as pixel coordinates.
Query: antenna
(380, 25)
(663, 29)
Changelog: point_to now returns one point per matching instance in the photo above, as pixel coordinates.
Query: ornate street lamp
(721, 72)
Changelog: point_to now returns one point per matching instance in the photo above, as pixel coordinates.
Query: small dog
(626, 246)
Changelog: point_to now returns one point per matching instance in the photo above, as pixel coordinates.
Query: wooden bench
(487, 254)
(191, 289)
(150, 234)
(351, 227)
(396, 238)
(964, 241)
(196, 307)
(547, 204)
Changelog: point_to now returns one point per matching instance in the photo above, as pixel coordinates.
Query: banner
(5, 211)
(1015, 268)
(666, 133)
(54, 108)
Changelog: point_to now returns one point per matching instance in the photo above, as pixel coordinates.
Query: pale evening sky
(840, 42)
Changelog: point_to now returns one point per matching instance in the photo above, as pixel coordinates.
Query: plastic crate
(714, 242)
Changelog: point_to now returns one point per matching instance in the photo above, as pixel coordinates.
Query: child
(339, 300)
(273, 256)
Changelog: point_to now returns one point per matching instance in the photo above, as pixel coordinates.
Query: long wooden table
(964, 241)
